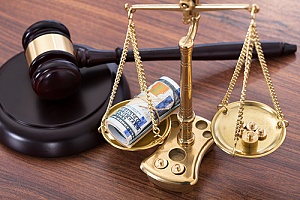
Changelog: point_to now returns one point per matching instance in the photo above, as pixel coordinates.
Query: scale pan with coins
(224, 126)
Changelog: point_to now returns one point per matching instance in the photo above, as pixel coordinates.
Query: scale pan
(148, 141)
(223, 129)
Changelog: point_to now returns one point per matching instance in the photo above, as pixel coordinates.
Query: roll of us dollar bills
(128, 123)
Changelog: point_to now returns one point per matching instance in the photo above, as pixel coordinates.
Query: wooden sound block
(42, 128)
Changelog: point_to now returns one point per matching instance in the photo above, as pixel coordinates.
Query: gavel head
(52, 65)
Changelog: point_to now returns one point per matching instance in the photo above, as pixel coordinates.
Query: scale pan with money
(147, 141)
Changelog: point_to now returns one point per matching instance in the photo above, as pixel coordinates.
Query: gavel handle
(88, 57)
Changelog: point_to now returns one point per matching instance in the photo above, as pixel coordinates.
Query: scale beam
(189, 8)
(197, 8)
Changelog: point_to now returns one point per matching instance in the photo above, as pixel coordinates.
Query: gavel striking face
(52, 65)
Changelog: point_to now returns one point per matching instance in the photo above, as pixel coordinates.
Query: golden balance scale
(246, 128)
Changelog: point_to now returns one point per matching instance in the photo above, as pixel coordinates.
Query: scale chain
(236, 72)
(137, 59)
(251, 42)
(268, 77)
(249, 50)
(118, 75)
(142, 80)
(131, 37)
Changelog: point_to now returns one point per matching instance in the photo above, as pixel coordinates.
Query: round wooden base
(37, 127)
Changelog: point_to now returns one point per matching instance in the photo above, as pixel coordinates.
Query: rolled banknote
(131, 122)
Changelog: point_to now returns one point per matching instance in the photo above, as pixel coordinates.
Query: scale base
(174, 167)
